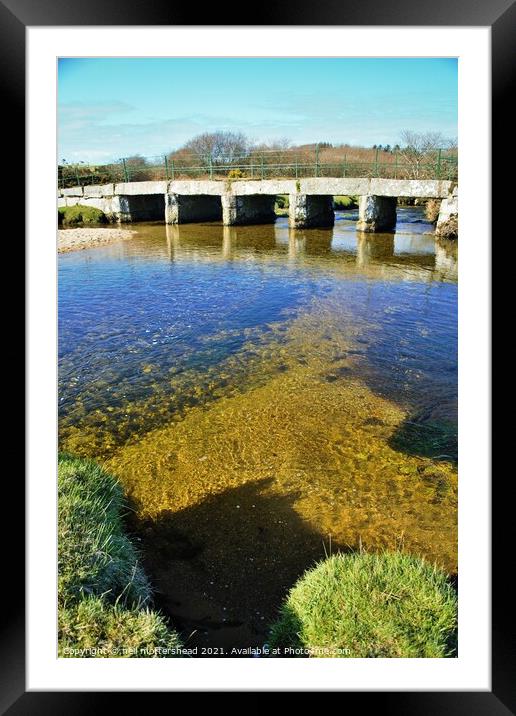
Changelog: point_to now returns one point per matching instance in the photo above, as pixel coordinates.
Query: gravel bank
(76, 239)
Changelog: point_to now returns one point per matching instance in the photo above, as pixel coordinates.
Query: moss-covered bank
(78, 214)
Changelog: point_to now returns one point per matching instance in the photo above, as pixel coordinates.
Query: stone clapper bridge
(239, 202)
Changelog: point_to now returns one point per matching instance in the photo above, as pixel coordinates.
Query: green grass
(345, 202)
(96, 628)
(104, 597)
(71, 215)
(369, 605)
(281, 205)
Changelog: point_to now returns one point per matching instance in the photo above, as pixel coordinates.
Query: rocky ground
(76, 239)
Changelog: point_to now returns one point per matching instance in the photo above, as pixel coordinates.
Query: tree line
(217, 154)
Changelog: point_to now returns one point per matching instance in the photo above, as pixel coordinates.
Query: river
(265, 396)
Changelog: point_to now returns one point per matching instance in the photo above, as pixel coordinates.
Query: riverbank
(78, 239)
(104, 596)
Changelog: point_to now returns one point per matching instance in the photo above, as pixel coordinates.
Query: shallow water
(265, 395)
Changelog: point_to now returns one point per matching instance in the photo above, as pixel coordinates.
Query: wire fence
(290, 164)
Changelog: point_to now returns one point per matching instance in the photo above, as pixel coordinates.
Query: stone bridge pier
(247, 209)
(138, 208)
(310, 211)
(447, 221)
(376, 213)
(188, 209)
(305, 211)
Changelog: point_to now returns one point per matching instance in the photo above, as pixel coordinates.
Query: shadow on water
(436, 439)
(222, 568)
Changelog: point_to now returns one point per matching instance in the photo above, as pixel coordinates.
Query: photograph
(257, 292)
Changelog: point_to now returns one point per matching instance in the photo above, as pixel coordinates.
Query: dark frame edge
(502, 700)
(503, 59)
(12, 619)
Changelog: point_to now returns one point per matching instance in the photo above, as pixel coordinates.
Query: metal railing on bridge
(402, 163)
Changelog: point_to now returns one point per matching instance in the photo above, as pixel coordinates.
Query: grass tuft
(104, 596)
(96, 628)
(369, 605)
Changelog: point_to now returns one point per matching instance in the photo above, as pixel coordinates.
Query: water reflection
(201, 361)
(178, 296)
(229, 239)
(205, 241)
(446, 261)
(394, 256)
(377, 247)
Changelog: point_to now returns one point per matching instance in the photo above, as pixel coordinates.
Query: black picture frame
(500, 15)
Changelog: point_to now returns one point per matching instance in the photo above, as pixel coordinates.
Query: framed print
(258, 369)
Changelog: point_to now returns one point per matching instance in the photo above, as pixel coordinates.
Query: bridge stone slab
(271, 187)
(413, 188)
(141, 187)
(189, 187)
(99, 190)
(72, 200)
(72, 191)
(331, 186)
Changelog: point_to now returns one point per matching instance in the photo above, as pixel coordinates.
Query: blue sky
(114, 107)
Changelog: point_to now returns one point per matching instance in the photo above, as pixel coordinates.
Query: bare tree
(137, 167)
(218, 147)
(420, 149)
(281, 144)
